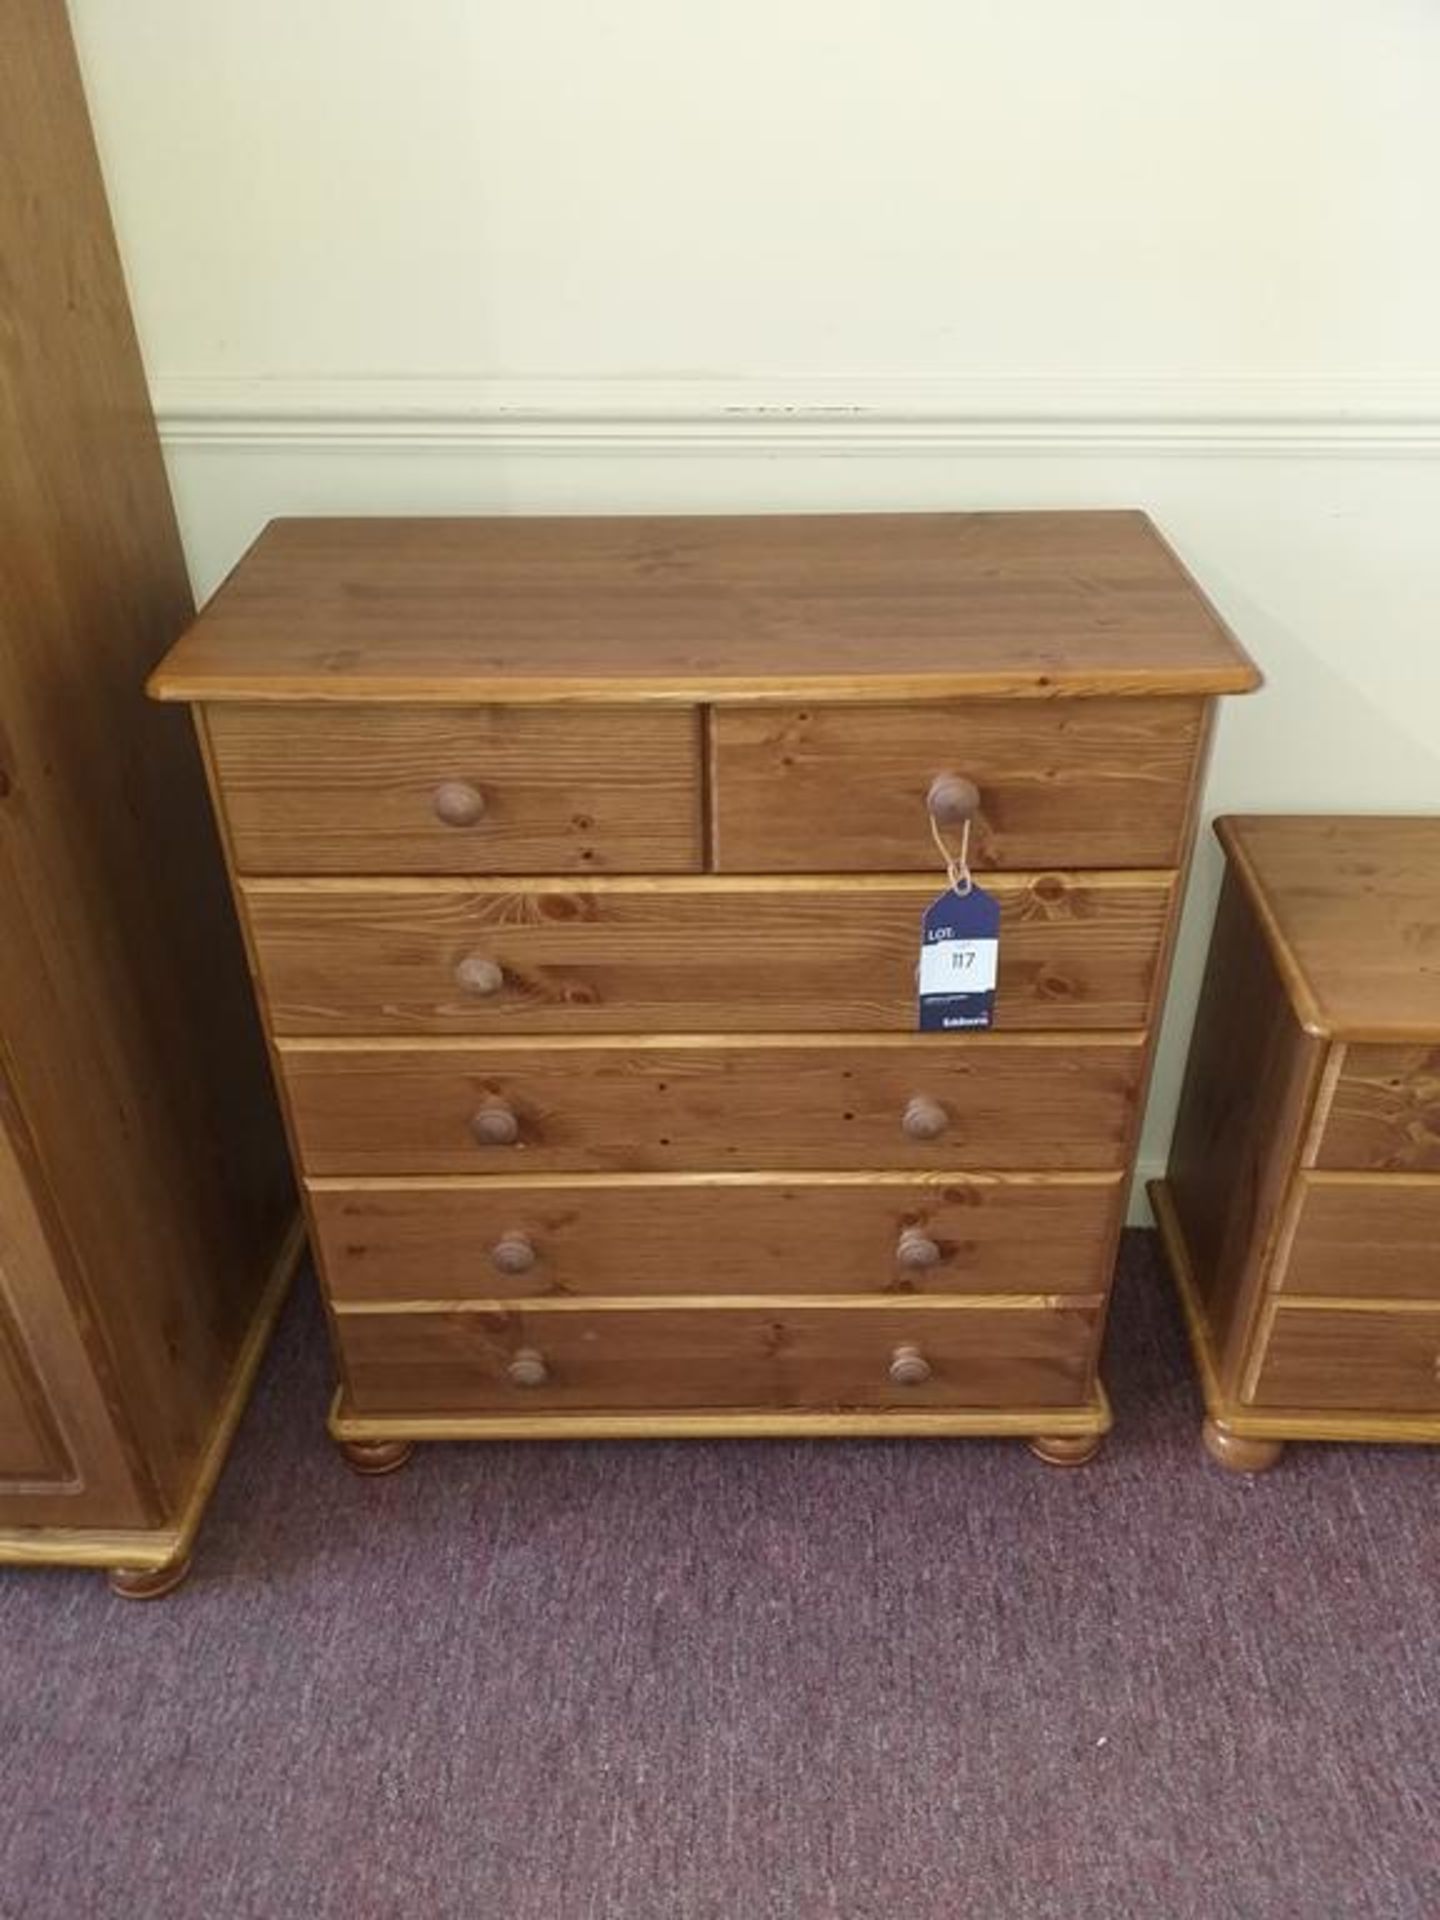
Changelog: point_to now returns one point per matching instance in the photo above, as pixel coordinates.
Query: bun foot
(1236, 1452)
(148, 1583)
(1065, 1449)
(373, 1457)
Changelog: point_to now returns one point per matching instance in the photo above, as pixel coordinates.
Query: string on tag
(957, 865)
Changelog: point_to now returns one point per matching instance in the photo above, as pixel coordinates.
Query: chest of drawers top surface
(833, 606)
(1350, 908)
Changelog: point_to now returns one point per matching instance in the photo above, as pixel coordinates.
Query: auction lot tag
(959, 953)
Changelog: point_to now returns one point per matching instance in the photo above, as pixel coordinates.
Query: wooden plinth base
(1083, 1425)
(145, 1562)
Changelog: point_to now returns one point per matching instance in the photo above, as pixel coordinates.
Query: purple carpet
(864, 1681)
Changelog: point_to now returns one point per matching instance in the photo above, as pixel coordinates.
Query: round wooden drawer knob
(457, 804)
(478, 975)
(528, 1368)
(916, 1249)
(924, 1118)
(513, 1253)
(496, 1126)
(952, 800)
(909, 1367)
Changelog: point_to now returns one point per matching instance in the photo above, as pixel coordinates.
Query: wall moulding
(1360, 416)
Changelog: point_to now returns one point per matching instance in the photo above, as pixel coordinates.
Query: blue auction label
(959, 956)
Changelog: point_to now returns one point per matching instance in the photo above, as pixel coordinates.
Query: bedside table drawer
(1061, 783)
(1385, 1113)
(527, 1237)
(1366, 1236)
(985, 1102)
(697, 956)
(393, 789)
(1348, 1357)
(536, 1359)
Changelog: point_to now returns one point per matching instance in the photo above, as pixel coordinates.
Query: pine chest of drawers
(1301, 1211)
(582, 865)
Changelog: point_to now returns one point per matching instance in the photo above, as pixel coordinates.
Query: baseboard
(1140, 1211)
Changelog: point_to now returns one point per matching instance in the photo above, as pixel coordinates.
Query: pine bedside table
(1301, 1212)
(582, 864)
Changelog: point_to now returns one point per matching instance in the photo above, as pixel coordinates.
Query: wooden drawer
(1366, 1237)
(1385, 1114)
(722, 1234)
(1063, 783)
(1018, 1354)
(497, 789)
(1077, 950)
(1358, 1358)
(980, 1101)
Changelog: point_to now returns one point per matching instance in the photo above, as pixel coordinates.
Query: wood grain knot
(963, 1196)
(565, 907)
(1054, 986)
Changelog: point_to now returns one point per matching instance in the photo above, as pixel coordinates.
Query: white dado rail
(1363, 416)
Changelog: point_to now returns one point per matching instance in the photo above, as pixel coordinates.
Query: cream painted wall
(853, 187)
(424, 255)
